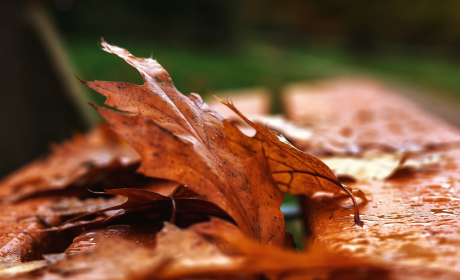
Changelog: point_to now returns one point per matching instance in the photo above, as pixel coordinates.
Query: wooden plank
(367, 113)
(32, 215)
(412, 220)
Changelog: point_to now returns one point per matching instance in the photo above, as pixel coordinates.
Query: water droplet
(442, 212)
(391, 224)
(437, 198)
(421, 224)
(416, 205)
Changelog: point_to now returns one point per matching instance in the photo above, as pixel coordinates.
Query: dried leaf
(422, 162)
(215, 249)
(367, 167)
(178, 253)
(294, 171)
(182, 139)
(191, 254)
(276, 261)
(76, 162)
(312, 140)
(182, 200)
(73, 206)
(377, 166)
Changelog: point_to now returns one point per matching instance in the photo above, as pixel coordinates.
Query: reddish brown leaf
(155, 205)
(318, 141)
(189, 253)
(77, 162)
(182, 139)
(294, 171)
(280, 262)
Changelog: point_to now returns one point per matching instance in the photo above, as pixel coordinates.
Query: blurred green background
(213, 45)
(208, 46)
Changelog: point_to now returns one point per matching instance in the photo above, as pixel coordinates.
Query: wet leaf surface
(79, 163)
(180, 138)
(213, 250)
(293, 170)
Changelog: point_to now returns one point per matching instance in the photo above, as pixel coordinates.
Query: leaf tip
(106, 46)
(97, 108)
(221, 100)
(104, 43)
(97, 192)
(85, 83)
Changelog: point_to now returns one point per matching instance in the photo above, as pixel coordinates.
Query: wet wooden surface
(367, 113)
(18, 245)
(412, 220)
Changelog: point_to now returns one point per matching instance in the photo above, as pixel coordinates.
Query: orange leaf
(182, 139)
(295, 171)
(215, 249)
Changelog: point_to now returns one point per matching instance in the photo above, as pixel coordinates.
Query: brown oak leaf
(295, 171)
(180, 138)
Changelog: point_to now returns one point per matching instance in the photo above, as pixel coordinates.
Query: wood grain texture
(412, 219)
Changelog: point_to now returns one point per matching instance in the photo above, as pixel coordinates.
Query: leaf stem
(337, 183)
(355, 204)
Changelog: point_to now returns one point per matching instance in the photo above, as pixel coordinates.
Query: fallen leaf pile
(192, 196)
